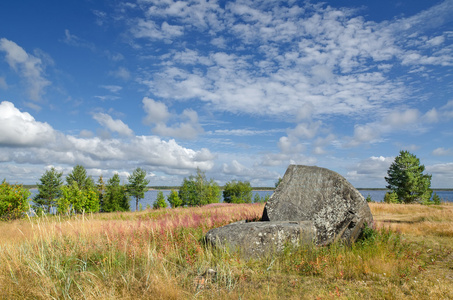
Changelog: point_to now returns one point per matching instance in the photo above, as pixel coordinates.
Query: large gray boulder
(307, 193)
(257, 239)
(310, 206)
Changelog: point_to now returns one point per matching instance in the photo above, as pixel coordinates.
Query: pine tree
(406, 179)
(137, 185)
(115, 197)
(49, 189)
(79, 175)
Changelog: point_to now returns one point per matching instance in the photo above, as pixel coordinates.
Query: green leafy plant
(13, 201)
(160, 201)
(197, 190)
(115, 197)
(173, 199)
(391, 197)
(237, 192)
(75, 199)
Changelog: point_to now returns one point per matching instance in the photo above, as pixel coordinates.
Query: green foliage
(115, 197)
(49, 189)
(13, 201)
(137, 185)
(160, 201)
(391, 197)
(78, 200)
(197, 190)
(368, 198)
(79, 176)
(173, 199)
(258, 199)
(406, 179)
(435, 200)
(237, 192)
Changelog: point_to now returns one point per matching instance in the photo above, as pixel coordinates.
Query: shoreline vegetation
(406, 254)
(168, 188)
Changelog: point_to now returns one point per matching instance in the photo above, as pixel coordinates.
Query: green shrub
(237, 192)
(160, 201)
(13, 201)
(173, 199)
(78, 200)
(391, 197)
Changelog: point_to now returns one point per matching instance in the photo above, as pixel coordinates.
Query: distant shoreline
(266, 189)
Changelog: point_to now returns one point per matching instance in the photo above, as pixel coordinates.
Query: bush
(258, 199)
(391, 197)
(115, 197)
(435, 200)
(13, 201)
(78, 200)
(160, 201)
(237, 192)
(173, 199)
(197, 190)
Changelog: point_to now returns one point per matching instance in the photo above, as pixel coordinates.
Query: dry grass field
(160, 254)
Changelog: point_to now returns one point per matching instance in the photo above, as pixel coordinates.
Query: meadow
(161, 254)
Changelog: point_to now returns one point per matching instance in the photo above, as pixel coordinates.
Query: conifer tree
(49, 189)
(137, 185)
(406, 179)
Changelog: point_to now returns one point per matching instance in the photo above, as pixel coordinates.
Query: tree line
(406, 180)
(78, 192)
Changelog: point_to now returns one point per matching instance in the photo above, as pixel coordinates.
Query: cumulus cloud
(373, 169)
(21, 129)
(29, 67)
(24, 140)
(113, 125)
(441, 151)
(157, 114)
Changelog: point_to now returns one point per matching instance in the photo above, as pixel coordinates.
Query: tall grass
(161, 255)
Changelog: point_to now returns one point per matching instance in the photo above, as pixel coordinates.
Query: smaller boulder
(257, 239)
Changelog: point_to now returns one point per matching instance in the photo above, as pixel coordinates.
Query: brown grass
(161, 255)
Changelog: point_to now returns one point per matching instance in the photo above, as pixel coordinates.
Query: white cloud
(112, 88)
(373, 169)
(76, 41)
(113, 125)
(156, 112)
(26, 141)
(245, 132)
(21, 129)
(29, 67)
(441, 151)
(158, 116)
(121, 73)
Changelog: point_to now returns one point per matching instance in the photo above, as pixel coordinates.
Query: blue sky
(239, 89)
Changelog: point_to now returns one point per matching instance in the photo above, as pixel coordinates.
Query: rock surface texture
(311, 205)
(337, 209)
(254, 239)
